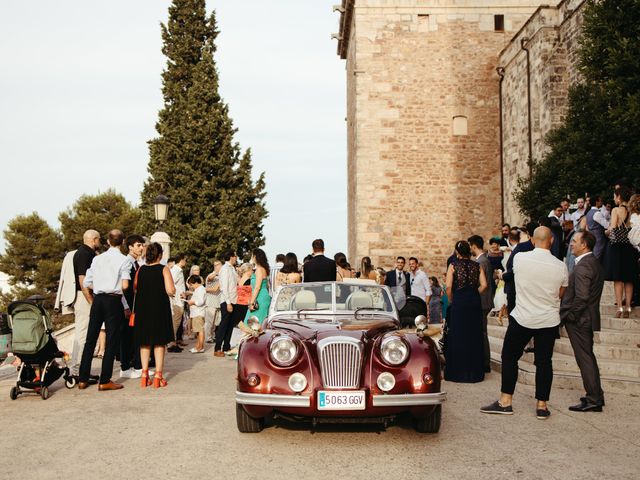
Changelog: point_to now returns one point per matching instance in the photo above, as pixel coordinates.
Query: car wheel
(246, 423)
(430, 423)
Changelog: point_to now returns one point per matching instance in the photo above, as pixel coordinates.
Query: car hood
(308, 328)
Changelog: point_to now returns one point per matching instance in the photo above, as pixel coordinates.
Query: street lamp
(161, 210)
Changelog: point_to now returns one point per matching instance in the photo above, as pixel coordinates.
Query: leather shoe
(584, 400)
(82, 385)
(110, 386)
(586, 407)
(219, 353)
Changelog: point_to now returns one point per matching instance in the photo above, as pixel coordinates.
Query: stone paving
(188, 430)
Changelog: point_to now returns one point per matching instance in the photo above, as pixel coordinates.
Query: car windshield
(333, 297)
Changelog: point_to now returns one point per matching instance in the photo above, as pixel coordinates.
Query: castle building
(434, 92)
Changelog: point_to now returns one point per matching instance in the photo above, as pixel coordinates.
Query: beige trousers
(81, 309)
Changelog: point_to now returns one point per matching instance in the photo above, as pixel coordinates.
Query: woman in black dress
(621, 258)
(153, 326)
(464, 348)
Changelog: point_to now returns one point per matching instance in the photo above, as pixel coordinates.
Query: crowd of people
(536, 276)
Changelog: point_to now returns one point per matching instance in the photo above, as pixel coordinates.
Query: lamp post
(161, 210)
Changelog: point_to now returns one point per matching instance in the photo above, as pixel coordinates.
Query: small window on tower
(460, 125)
(423, 23)
(498, 23)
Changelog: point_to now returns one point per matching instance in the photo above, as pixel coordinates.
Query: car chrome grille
(340, 362)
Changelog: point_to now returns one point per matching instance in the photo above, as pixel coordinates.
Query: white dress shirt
(420, 284)
(198, 298)
(577, 215)
(228, 284)
(178, 280)
(107, 272)
(602, 218)
(538, 279)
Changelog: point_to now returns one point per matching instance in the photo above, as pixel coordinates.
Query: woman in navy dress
(464, 348)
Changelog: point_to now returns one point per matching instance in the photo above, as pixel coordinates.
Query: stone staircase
(615, 347)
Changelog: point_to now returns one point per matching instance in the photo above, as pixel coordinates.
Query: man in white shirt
(228, 300)
(541, 280)
(177, 306)
(419, 281)
(108, 277)
(579, 213)
(561, 212)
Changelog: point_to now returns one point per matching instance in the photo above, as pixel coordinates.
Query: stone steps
(615, 347)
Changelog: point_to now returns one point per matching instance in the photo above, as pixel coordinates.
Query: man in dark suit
(319, 268)
(398, 277)
(580, 313)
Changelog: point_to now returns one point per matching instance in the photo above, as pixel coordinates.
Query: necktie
(136, 265)
(399, 278)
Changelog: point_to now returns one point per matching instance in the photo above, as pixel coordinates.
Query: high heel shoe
(620, 312)
(158, 381)
(626, 313)
(145, 381)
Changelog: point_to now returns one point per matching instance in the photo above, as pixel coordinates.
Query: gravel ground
(188, 430)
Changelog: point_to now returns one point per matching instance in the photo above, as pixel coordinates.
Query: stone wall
(412, 66)
(551, 36)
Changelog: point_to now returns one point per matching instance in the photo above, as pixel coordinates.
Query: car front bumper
(301, 401)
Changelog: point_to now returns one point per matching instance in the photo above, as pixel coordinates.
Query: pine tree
(195, 161)
(599, 141)
(102, 212)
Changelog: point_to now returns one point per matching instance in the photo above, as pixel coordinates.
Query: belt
(117, 295)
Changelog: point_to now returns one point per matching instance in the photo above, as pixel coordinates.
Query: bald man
(540, 280)
(81, 262)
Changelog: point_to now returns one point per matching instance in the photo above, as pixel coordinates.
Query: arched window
(460, 125)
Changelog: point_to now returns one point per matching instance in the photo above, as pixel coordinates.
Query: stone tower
(423, 123)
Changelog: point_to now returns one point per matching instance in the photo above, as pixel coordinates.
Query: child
(197, 310)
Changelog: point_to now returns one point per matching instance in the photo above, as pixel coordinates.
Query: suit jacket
(319, 269)
(66, 296)
(391, 280)
(581, 300)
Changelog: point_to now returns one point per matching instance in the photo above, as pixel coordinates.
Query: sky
(80, 89)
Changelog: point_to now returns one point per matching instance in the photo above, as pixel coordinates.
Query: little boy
(197, 310)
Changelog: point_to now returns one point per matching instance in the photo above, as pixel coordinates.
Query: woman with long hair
(621, 259)
(289, 273)
(342, 267)
(153, 327)
(260, 298)
(464, 347)
(367, 271)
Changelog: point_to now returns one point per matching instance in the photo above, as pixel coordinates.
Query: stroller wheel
(70, 382)
(13, 394)
(44, 393)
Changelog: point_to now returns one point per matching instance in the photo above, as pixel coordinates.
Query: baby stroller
(415, 306)
(36, 349)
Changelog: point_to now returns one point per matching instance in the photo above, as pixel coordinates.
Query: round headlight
(284, 351)
(421, 322)
(394, 350)
(386, 381)
(297, 382)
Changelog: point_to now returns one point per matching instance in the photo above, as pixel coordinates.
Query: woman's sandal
(145, 381)
(158, 381)
(620, 313)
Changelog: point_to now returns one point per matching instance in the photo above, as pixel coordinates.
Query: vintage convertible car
(334, 352)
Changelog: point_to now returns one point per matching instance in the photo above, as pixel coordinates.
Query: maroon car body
(339, 352)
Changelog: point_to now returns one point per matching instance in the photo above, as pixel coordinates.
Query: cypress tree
(598, 143)
(215, 205)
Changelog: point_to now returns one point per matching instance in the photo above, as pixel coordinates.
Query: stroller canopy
(31, 325)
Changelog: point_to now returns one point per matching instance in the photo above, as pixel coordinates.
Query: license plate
(341, 400)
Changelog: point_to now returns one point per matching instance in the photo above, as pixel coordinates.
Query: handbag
(132, 317)
(255, 306)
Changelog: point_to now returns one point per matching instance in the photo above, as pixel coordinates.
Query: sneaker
(135, 373)
(126, 373)
(210, 340)
(195, 350)
(495, 407)
(542, 413)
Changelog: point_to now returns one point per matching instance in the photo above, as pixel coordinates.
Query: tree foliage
(102, 212)
(33, 257)
(195, 161)
(599, 141)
